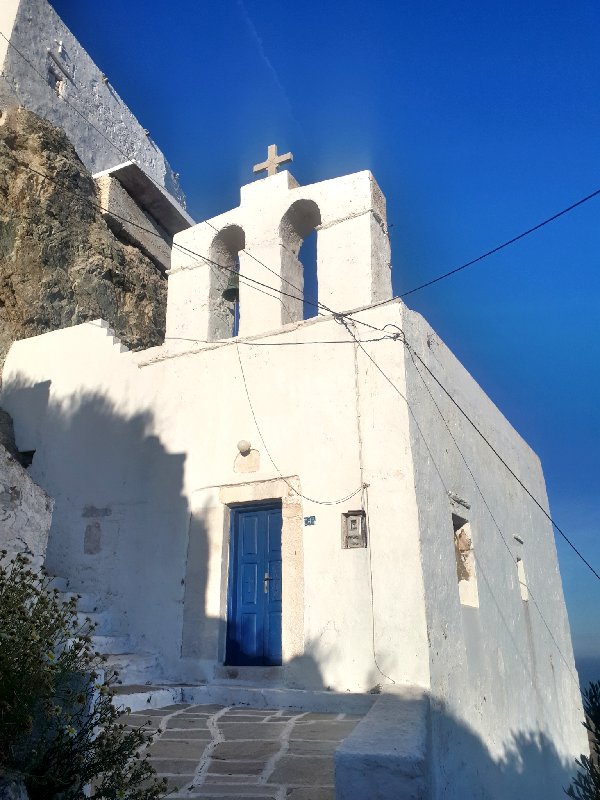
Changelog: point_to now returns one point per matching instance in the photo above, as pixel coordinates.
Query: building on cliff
(265, 507)
(44, 69)
(305, 507)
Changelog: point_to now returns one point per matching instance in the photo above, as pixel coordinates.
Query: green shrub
(586, 784)
(58, 726)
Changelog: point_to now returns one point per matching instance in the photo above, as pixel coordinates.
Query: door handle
(266, 580)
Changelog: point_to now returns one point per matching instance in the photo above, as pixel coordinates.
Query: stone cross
(273, 161)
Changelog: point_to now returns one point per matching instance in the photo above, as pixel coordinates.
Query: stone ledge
(384, 758)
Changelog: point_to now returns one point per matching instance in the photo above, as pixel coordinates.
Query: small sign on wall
(310, 520)
(354, 529)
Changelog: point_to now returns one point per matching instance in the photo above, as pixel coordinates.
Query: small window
(465, 562)
(56, 82)
(522, 579)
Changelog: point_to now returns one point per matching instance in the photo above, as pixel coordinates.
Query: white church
(305, 506)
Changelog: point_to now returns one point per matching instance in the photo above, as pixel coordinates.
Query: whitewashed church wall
(66, 77)
(120, 517)
(305, 404)
(124, 447)
(506, 709)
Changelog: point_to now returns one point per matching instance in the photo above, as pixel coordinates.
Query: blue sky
(478, 121)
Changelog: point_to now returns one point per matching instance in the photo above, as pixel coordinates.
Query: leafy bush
(58, 726)
(586, 784)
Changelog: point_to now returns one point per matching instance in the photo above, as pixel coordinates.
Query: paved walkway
(236, 752)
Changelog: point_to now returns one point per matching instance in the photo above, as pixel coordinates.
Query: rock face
(60, 264)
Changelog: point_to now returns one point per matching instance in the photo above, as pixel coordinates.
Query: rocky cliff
(60, 264)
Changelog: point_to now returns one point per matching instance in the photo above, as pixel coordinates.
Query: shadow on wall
(528, 768)
(121, 527)
(404, 750)
(120, 522)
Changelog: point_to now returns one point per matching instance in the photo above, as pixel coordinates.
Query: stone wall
(62, 84)
(60, 264)
(25, 512)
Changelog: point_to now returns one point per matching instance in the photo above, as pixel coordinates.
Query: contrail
(266, 59)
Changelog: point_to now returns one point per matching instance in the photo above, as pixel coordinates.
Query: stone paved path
(237, 752)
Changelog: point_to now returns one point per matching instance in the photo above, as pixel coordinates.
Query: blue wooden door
(254, 593)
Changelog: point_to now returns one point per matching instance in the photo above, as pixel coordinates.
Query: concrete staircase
(101, 323)
(108, 637)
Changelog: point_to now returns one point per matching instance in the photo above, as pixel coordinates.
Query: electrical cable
(341, 317)
(493, 518)
(320, 305)
(365, 506)
(267, 451)
(503, 245)
(246, 280)
(253, 283)
(393, 385)
(400, 335)
(499, 457)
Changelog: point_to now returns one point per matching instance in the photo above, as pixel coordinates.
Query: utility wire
(83, 116)
(400, 335)
(318, 305)
(246, 280)
(412, 351)
(503, 245)
(268, 452)
(395, 388)
(403, 294)
(489, 510)
(259, 286)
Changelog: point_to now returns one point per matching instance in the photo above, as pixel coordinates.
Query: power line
(393, 385)
(267, 451)
(493, 250)
(337, 315)
(400, 335)
(499, 457)
(75, 109)
(255, 284)
(313, 303)
(246, 280)
(493, 518)
(273, 344)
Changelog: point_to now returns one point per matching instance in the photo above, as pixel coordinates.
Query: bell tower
(262, 237)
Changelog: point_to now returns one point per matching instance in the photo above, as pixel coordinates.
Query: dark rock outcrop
(60, 264)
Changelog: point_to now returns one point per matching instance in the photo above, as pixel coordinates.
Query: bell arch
(224, 311)
(301, 219)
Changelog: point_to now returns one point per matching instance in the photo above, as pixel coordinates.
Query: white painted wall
(34, 27)
(143, 447)
(8, 13)
(353, 255)
(125, 442)
(506, 706)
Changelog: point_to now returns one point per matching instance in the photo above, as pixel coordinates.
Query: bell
(231, 292)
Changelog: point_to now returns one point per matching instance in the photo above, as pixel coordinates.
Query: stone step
(103, 620)
(111, 645)
(86, 603)
(140, 697)
(233, 693)
(133, 668)
(60, 583)
(271, 676)
(89, 603)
